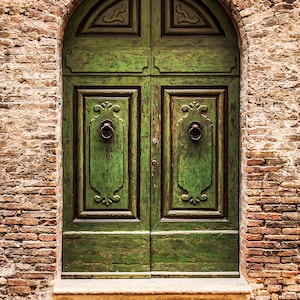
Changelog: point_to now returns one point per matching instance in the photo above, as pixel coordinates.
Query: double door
(150, 140)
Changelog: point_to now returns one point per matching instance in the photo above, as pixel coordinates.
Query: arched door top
(145, 26)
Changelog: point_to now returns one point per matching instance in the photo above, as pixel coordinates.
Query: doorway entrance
(150, 139)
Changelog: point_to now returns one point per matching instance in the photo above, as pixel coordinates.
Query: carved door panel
(150, 140)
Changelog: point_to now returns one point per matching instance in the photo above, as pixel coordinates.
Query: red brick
(21, 282)
(20, 221)
(274, 288)
(20, 290)
(38, 244)
(21, 236)
(267, 216)
(47, 237)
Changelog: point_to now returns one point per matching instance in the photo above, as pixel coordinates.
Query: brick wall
(31, 32)
(270, 148)
(30, 35)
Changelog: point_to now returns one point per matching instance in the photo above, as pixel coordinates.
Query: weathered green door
(150, 139)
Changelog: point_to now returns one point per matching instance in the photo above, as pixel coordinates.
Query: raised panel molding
(196, 61)
(196, 169)
(107, 170)
(113, 61)
(112, 17)
(188, 17)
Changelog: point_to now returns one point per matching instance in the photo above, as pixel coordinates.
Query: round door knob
(195, 131)
(154, 163)
(107, 129)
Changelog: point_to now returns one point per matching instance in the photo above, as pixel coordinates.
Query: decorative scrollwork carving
(107, 201)
(116, 14)
(194, 106)
(185, 15)
(189, 17)
(107, 105)
(194, 200)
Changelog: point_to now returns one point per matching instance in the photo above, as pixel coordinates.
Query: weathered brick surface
(31, 33)
(270, 148)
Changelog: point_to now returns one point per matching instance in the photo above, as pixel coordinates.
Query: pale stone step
(152, 289)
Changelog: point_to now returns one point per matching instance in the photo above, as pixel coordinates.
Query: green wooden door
(150, 138)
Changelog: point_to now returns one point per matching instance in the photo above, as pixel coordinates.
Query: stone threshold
(154, 288)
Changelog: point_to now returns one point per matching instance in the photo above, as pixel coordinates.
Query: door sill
(147, 275)
(152, 289)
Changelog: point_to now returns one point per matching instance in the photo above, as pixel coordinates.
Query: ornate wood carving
(188, 17)
(118, 17)
(185, 15)
(115, 15)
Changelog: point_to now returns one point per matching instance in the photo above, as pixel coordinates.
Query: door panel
(193, 164)
(150, 140)
(101, 254)
(195, 61)
(194, 254)
(109, 25)
(179, 24)
(105, 187)
(208, 166)
(108, 187)
(188, 18)
(112, 17)
(79, 61)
